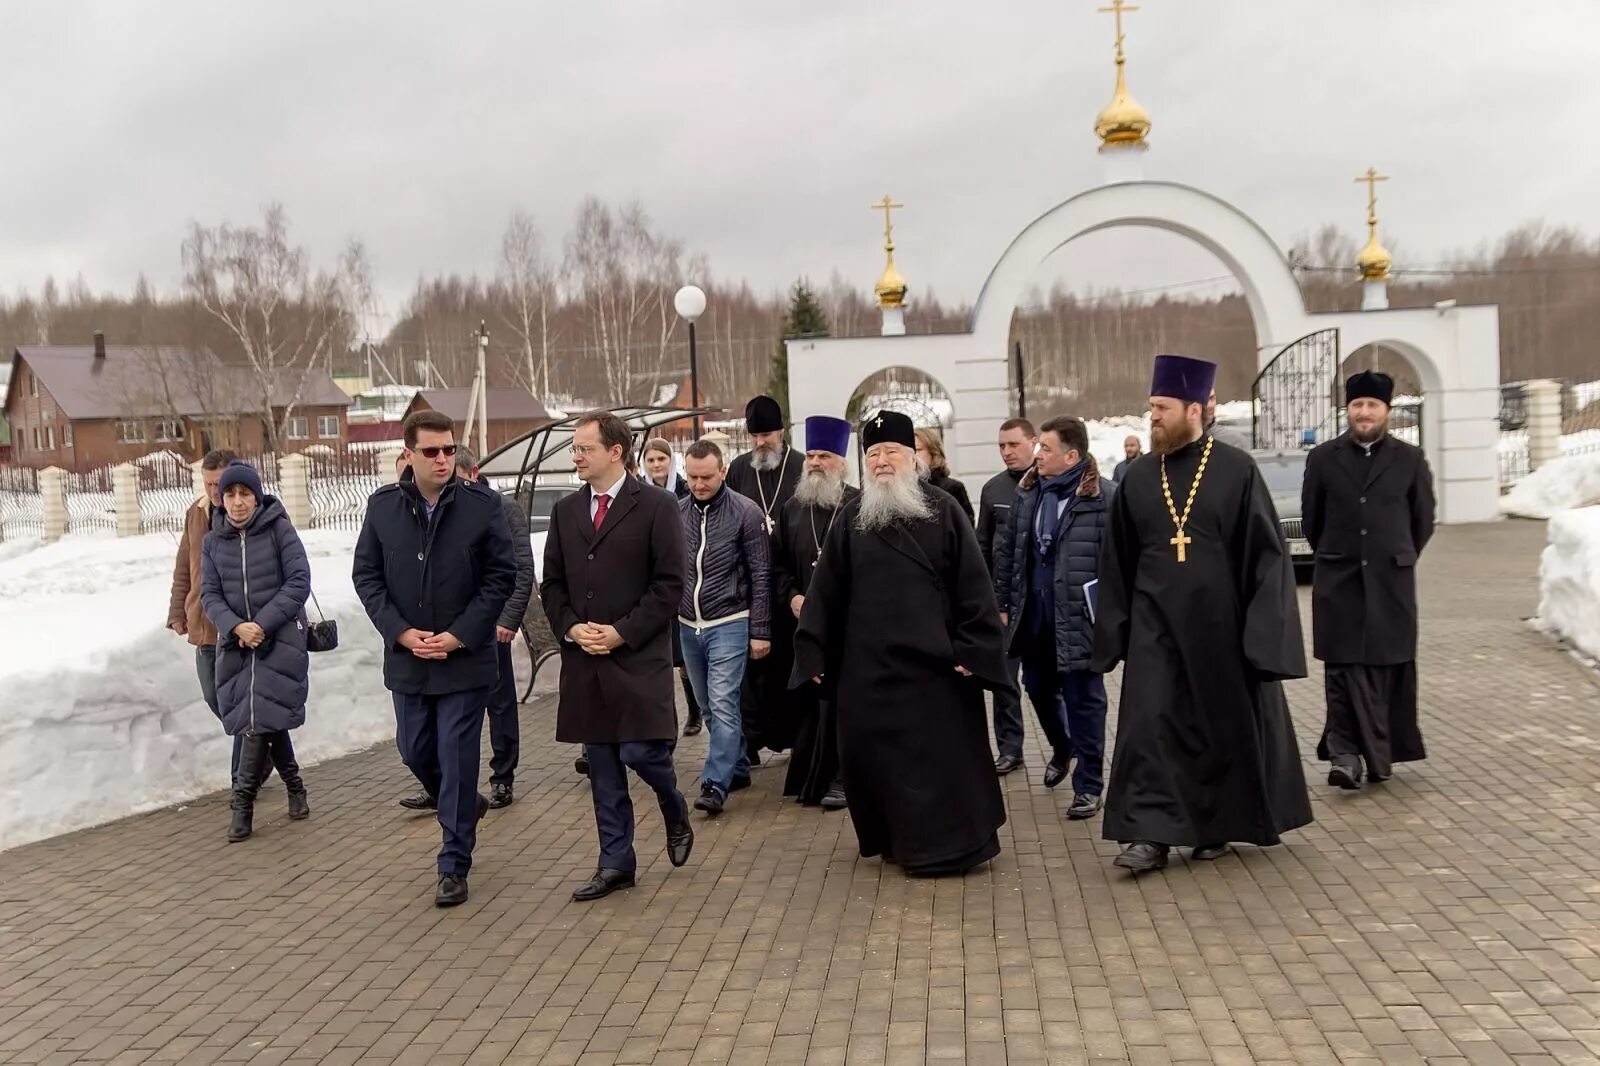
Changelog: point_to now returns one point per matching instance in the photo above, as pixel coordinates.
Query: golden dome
(891, 287)
(1122, 121)
(1374, 261)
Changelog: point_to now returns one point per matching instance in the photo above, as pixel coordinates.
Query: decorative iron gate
(1296, 398)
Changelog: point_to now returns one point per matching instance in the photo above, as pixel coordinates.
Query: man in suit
(434, 567)
(1368, 510)
(1017, 443)
(613, 576)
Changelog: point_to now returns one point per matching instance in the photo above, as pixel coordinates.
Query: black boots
(283, 758)
(253, 755)
(257, 757)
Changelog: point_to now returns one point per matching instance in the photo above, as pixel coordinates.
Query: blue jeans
(439, 739)
(715, 658)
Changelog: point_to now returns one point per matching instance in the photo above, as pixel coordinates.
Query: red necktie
(601, 505)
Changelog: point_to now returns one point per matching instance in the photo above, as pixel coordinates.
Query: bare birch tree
(528, 282)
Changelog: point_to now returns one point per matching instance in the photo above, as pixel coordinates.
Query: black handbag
(323, 634)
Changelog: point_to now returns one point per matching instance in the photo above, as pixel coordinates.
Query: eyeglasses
(436, 451)
(586, 449)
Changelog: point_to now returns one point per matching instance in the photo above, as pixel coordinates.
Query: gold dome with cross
(1122, 121)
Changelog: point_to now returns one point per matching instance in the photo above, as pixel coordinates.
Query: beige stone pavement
(1450, 916)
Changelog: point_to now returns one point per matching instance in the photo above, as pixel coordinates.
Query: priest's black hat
(763, 415)
(888, 427)
(1183, 377)
(1368, 385)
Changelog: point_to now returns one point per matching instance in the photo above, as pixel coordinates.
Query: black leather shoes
(1055, 772)
(581, 764)
(420, 802)
(692, 728)
(1007, 764)
(1344, 777)
(483, 806)
(680, 842)
(452, 890)
(1142, 855)
(710, 801)
(1210, 852)
(834, 799)
(1084, 806)
(602, 884)
(501, 796)
(299, 806)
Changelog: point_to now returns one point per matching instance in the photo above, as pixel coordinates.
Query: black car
(1285, 473)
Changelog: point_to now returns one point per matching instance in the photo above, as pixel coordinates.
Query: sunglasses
(436, 451)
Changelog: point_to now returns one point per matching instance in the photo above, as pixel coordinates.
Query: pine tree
(804, 319)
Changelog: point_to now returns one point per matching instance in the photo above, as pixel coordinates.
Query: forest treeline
(587, 316)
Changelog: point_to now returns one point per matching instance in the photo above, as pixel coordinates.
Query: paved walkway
(1451, 916)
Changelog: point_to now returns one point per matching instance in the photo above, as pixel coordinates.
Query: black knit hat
(763, 415)
(1369, 385)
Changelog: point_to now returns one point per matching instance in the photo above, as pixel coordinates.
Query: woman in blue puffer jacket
(254, 583)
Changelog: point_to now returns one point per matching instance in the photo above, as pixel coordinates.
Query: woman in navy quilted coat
(254, 583)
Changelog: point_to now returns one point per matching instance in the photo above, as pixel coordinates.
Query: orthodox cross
(1117, 8)
(887, 205)
(1371, 178)
(1182, 541)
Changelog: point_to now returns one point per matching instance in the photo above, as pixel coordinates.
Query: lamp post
(483, 389)
(690, 303)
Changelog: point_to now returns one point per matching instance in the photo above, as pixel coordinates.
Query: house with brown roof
(511, 412)
(78, 407)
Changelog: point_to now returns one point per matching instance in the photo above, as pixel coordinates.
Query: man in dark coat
(613, 576)
(1017, 443)
(1197, 598)
(813, 777)
(900, 628)
(1044, 568)
(434, 567)
(1131, 450)
(767, 474)
(1368, 511)
(504, 728)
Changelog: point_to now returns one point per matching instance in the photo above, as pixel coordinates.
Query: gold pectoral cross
(1182, 542)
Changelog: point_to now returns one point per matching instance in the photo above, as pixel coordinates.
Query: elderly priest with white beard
(900, 628)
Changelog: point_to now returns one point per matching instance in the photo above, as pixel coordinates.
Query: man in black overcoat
(1368, 510)
(613, 576)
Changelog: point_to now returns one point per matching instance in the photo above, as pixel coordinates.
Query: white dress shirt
(594, 497)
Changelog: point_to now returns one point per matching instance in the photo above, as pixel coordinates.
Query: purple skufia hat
(824, 433)
(1183, 377)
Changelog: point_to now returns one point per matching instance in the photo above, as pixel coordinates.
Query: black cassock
(796, 546)
(889, 616)
(763, 701)
(1205, 750)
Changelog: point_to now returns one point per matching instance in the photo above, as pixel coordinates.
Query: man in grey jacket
(504, 735)
(725, 615)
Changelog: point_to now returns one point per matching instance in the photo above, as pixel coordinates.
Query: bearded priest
(1197, 598)
(900, 629)
(796, 546)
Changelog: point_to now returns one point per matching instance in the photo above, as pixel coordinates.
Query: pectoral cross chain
(1182, 542)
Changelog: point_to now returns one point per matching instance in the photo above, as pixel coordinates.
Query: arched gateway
(1456, 350)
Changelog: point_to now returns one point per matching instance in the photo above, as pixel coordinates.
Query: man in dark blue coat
(434, 567)
(1049, 555)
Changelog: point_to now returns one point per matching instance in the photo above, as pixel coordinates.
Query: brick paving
(1450, 916)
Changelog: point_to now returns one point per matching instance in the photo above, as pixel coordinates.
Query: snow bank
(101, 715)
(1569, 579)
(1559, 485)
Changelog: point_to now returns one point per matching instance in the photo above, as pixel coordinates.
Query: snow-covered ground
(101, 715)
(1559, 485)
(1569, 579)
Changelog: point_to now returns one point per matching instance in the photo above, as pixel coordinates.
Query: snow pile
(1559, 485)
(102, 715)
(1569, 579)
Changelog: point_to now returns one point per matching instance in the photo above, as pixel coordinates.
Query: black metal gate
(1296, 398)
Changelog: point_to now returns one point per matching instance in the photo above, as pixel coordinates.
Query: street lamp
(481, 383)
(690, 303)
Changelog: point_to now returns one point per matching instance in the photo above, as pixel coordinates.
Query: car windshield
(1282, 473)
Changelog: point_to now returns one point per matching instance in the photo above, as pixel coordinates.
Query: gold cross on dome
(1371, 179)
(1117, 8)
(887, 205)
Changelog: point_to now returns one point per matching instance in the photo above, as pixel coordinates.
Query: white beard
(898, 499)
(823, 490)
(764, 461)
(924, 471)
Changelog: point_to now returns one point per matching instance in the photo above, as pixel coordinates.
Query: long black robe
(888, 617)
(763, 700)
(796, 546)
(1205, 751)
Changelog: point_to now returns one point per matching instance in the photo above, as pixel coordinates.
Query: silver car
(1284, 473)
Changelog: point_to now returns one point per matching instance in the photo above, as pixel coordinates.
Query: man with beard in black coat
(1368, 507)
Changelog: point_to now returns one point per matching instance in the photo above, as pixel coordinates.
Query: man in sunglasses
(434, 567)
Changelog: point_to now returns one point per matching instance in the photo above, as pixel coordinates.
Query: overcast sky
(761, 139)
